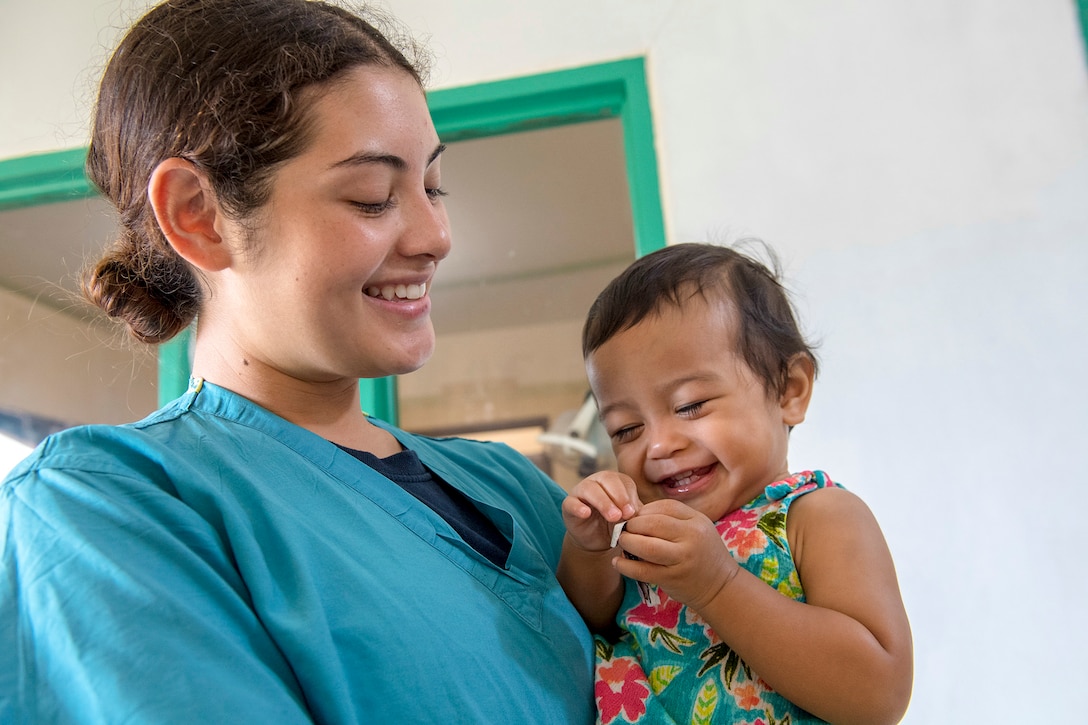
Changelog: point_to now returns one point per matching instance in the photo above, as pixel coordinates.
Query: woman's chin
(411, 361)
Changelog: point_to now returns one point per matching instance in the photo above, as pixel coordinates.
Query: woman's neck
(330, 409)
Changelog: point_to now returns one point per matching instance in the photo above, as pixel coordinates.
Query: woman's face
(336, 277)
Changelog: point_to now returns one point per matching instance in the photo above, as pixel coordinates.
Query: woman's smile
(390, 292)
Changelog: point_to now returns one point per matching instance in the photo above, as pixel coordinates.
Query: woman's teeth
(400, 291)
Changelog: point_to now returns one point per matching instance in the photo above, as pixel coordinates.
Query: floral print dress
(668, 666)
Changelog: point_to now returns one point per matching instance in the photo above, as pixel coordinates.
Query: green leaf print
(660, 677)
(602, 649)
(791, 587)
(672, 641)
(705, 704)
(729, 661)
(768, 572)
(773, 524)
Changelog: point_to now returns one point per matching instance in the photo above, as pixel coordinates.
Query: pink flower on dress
(631, 695)
(743, 543)
(663, 622)
(739, 519)
(747, 696)
(741, 534)
(665, 615)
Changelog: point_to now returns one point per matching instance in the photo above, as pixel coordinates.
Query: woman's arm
(119, 603)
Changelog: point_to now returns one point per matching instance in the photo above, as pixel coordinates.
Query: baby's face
(687, 418)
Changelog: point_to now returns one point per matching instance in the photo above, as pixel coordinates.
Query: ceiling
(541, 221)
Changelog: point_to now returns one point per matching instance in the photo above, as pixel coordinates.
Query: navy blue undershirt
(407, 471)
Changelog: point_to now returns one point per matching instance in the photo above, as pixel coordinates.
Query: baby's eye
(690, 409)
(625, 434)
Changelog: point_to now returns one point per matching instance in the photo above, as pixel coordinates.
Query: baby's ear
(795, 398)
(188, 213)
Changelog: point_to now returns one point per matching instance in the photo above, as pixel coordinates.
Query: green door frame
(589, 93)
(1082, 11)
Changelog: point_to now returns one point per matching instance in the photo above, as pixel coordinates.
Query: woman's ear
(188, 213)
(795, 398)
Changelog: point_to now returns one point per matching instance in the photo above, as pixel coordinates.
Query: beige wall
(55, 365)
(497, 375)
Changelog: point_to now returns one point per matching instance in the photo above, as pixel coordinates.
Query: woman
(260, 550)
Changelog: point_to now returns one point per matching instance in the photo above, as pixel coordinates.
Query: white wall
(922, 167)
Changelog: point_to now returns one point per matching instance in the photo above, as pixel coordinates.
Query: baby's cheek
(647, 492)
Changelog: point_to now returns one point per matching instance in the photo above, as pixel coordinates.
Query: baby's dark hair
(220, 83)
(768, 336)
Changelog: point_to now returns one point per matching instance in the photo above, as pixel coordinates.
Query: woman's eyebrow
(391, 160)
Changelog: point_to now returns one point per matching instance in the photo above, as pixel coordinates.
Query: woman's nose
(427, 228)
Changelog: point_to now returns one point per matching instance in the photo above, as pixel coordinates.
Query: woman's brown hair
(219, 83)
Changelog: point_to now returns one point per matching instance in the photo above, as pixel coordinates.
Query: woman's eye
(373, 207)
(436, 192)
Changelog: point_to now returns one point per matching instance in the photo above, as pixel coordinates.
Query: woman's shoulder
(90, 447)
(122, 458)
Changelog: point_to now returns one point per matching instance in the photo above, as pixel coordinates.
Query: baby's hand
(595, 505)
(679, 550)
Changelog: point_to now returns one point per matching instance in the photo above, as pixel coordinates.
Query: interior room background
(921, 166)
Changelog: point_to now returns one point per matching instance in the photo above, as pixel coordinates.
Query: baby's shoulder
(830, 512)
(784, 492)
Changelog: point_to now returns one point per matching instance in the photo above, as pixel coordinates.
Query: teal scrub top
(217, 564)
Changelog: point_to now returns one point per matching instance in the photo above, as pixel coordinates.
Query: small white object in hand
(616, 533)
(649, 594)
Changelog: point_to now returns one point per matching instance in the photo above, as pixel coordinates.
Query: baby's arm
(845, 654)
(585, 569)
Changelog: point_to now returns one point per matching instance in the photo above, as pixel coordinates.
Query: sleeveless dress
(669, 667)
